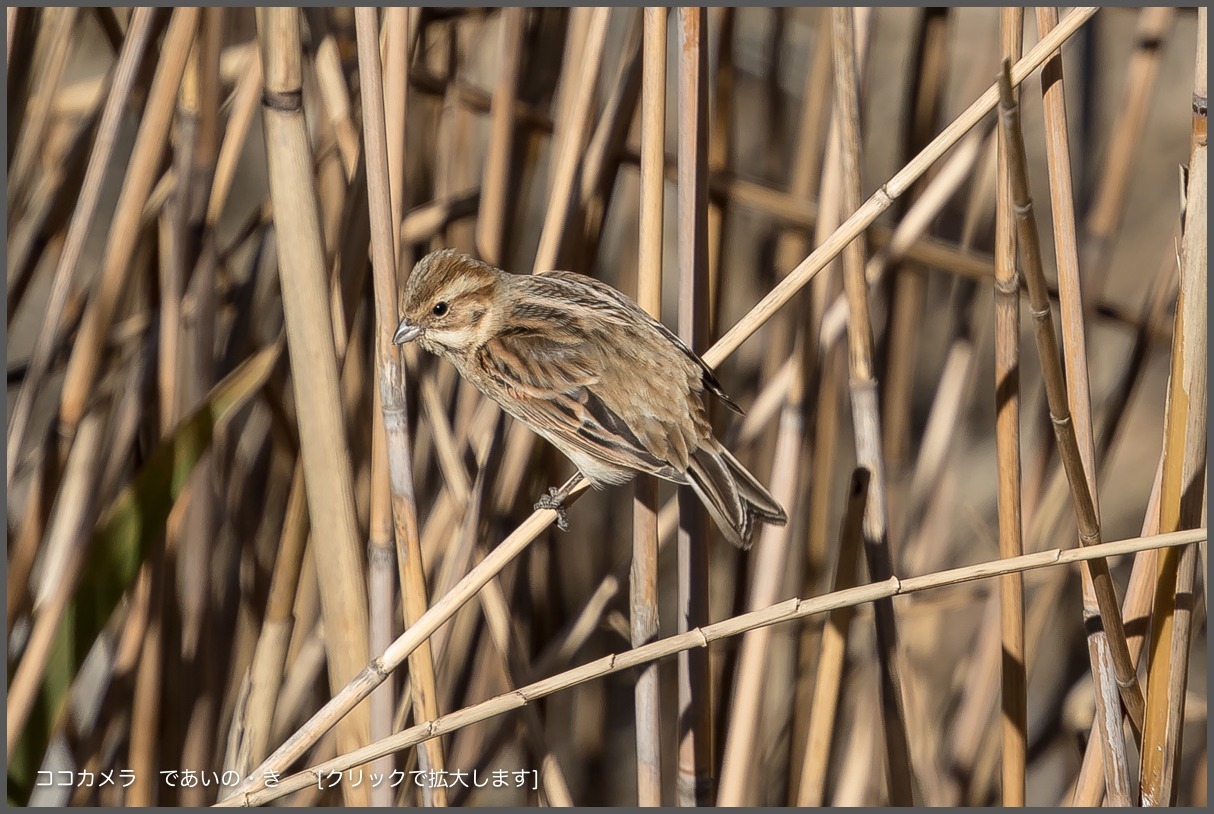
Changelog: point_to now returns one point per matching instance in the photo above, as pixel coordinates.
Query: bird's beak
(405, 332)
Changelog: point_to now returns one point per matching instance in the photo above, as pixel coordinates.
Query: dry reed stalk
(23, 551)
(802, 369)
(381, 586)
(89, 195)
(391, 379)
(334, 94)
(82, 369)
(789, 610)
(890, 191)
(694, 783)
(766, 666)
(568, 145)
(955, 388)
(506, 638)
(720, 140)
(603, 157)
(196, 151)
(53, 48)
(773, 562)
(829, 679)
(492, 218)
(931, 201)
(1013, 666)
(270, 656)
(863, 389)
(66, 540)
(1110, 657)
(323, 449)
(1108, 205)
(382, 565)
(24, 30)
(396, 111)
(382, 666)
(643, 577)
(1069, 452)
(10, 30)
(926, 88)
(1183, 485)
(122, 83)
(1089, 785)
(805, 214)
(825, 288)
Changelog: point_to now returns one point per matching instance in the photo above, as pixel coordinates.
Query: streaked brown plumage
(586, 368)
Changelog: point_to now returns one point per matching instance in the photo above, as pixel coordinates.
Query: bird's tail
(732, 495)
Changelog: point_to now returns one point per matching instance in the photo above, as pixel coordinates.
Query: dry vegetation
(227, 491)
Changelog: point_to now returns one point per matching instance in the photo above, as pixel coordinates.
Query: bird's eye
(440, 308)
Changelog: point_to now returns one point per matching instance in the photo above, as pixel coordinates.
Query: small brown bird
(585, 367)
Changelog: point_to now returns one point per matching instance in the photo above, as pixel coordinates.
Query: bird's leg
(555, 500)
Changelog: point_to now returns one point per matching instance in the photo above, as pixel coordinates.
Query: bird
(586, 368)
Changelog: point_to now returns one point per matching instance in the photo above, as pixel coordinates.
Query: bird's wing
(620, 300)
(555, 389)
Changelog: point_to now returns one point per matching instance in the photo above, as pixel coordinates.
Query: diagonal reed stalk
(83, 367)
(1089, 528)
(786, 611)
(643, 578)
(121, 85)
(862, 386)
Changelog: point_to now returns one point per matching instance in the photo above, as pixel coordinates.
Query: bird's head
(449, 305)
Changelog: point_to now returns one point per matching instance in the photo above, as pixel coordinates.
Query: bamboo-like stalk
(643, 579)
(492, 218)
(1183, 486)
(694, 784)
(1069, 452)
(125, 73)
(1013, 670)
(789, 610)
(391, 379)
(327, 475)
(863, 389)
(828, 682)
(890, 191)
(381, 556)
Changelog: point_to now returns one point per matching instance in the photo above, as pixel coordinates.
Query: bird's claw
(556, 501)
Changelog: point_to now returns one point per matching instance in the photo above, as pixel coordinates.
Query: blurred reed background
(220, 474)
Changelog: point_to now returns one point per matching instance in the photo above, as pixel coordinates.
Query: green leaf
(127, 533)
